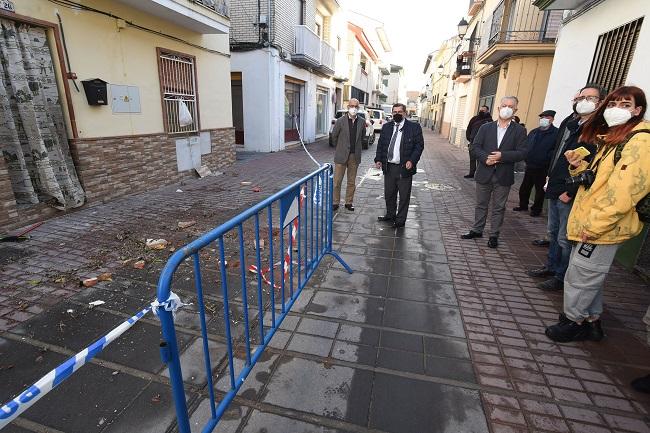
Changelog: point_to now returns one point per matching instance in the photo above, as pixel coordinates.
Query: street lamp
(462, 28)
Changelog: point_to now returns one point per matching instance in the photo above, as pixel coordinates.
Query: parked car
(369, 136)
(379, 117)
(415, 119)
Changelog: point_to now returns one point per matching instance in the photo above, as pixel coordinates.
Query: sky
(414, 28)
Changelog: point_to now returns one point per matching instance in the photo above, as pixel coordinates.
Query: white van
(378, 116)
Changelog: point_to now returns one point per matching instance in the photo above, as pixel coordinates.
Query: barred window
(177, 74)
(613, 56)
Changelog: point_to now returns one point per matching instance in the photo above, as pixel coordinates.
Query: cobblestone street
(430, 334)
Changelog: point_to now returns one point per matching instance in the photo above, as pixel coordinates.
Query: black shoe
(541, 243)
(540, 272)
(471, 235)
(335, 207)
(551, 285)
(520, 209)
(567, 330)
(469, 176)
(493, 242)
(642, 384)
(596, 332)
(397, 225)
(349, 207)
(386, 218)
(535, 213)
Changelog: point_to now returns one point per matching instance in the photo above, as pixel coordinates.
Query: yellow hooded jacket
(606, 211)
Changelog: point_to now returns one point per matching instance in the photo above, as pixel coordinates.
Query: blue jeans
(559, 250)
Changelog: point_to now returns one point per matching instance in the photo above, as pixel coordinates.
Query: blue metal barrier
(304, 212)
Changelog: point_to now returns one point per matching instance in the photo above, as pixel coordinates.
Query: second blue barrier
(264, 258)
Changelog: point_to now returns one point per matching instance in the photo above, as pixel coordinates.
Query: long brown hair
(596, 125)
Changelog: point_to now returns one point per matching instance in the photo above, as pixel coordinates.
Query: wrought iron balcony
(463, 71)
(518, 28)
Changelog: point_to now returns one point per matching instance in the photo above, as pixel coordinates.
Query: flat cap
(547, 113)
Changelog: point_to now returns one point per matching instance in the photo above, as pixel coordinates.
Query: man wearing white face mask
(541, 143)
(558, 193)
(348, 135)
(605, 212)
(497, 147)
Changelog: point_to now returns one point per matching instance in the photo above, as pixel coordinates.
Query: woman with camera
(604, 214)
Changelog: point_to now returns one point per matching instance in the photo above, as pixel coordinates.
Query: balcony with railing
(327, 58)
(463, 71)
(518, 28)
(309, 50)
(306, 47)
(201, 16)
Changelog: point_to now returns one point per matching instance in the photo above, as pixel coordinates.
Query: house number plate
(7, 5)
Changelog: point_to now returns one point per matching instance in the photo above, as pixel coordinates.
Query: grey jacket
(341, 136)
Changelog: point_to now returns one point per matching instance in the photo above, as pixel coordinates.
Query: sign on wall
(7, 5)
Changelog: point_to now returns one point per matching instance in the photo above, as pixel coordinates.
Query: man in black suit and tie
(399, 149)
(497, 147)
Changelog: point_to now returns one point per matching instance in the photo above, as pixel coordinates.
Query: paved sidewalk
(430, 334)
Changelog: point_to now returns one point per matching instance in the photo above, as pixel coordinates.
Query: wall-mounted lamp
(462, 28)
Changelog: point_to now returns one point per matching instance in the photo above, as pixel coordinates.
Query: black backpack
(643, 206)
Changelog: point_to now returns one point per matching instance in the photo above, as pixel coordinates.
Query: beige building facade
(146, 57)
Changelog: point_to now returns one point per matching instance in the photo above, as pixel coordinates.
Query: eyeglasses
(588, 98)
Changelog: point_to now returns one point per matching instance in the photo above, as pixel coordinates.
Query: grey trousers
(499, 196)
(585, 279)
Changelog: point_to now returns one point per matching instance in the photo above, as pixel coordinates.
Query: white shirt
(398, 141)
(501, 132)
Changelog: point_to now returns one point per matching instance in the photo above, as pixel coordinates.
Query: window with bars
(177, 74)
(613, 55)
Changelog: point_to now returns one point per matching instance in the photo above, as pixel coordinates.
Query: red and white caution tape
(293, 232)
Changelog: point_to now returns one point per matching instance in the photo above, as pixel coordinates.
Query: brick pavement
(432, 333)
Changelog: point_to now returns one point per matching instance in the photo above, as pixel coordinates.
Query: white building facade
(283, 65)
(585, 40)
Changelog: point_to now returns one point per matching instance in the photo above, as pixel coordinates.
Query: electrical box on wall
(96, 92)
(125, 99)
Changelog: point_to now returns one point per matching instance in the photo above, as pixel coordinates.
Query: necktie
(391, 147)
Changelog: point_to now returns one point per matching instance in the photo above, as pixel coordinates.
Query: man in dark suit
(399, 149)
(497, 147)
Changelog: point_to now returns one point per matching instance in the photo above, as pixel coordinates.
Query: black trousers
(394, 184)
(533, 177)
(472, 164)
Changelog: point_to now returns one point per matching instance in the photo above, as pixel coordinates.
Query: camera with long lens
(586, 179)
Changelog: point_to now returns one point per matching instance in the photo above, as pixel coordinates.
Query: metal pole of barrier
(330, 182)
(283, 273)
(260, 302)
(298, 238)
(226, 310)
(170, 350)
(311, 227)
(242, 264)
(272, 272)
(204, 329)
(323, 200)
(291, 259)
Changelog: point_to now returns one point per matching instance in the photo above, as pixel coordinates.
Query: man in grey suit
(347, 134)
(497, 147)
